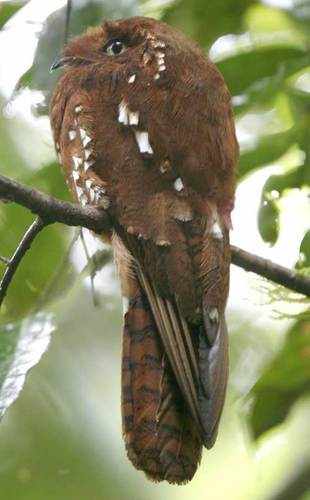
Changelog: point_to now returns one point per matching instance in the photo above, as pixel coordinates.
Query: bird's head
(135, 45)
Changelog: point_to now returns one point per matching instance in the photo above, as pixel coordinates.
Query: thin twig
(99, 221)
(67, 23)
(62, 268)
(93, 270)
(24, 245)
(268, 269)
(100, 259)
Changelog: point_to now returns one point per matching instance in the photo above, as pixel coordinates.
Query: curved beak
(59, 62)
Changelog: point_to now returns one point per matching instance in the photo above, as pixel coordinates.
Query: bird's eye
(114, 47)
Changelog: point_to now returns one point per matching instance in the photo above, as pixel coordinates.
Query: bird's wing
(196, 347)
(182, 264)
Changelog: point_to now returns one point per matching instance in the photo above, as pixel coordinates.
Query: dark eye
(114, 47)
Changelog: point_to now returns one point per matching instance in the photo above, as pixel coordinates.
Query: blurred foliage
(285, 380)
(21, 347)
(7, 9)
(304, 256)
(206, 23)
(51, 244)
(263, 53)
(83, 15)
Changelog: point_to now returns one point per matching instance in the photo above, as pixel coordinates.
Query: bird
(143, 127)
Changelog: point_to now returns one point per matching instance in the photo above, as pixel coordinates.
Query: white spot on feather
(78, 109)
(82, 133)
(92, 195)
(123, 112)
(165, 166)
(159, 44)
(79, 191)
(178, 184)
(75, 175)
(156, 76)
(105, 202)
(163, 243)
(87, 153)
(72, 135)
(216, 231)
(214, 315)
(131, 79)
(77, 161)
(97, 195)
(88, 183)
(83, 200)
(86, 140)
(126, 116)
(88, 164)
(84, 137)
(184, 217)
(162, 67)
(142, 139)
(146, 58)
(133, 117)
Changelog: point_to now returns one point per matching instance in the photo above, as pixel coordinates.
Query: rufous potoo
(143, 127)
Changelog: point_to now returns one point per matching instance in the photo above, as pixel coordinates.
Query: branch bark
(268, 269)
(51, 210)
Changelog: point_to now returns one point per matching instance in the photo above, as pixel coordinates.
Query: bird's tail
(160, 432)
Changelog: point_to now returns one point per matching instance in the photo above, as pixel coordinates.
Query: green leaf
(7, 10)
(268, 221)
(50, 179)
(267, 150)
(10, 158)
(304, 253)
(37, 266)
(274, 187)
(261, 93)
(206, 21)
(21, 347)
(260, 63)
(46, 253)
(296, 178)
(285, 380)
(300, 14)
(300, 104)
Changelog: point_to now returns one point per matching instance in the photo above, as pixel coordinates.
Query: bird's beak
(59, 62)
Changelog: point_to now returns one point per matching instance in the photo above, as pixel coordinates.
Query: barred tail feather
(160, 434)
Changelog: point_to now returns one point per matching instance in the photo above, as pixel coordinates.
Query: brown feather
(160, 435)
(148, 134)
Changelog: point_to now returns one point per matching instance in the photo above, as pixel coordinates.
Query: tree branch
(67, 20)
(273, 272)
(51, 210)
(13, 263)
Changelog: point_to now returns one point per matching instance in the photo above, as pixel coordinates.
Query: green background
(61, 439)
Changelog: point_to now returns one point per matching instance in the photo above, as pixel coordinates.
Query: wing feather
(168, 329)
